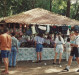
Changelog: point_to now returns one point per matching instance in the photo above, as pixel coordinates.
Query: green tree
(10, 7)
(59, 6)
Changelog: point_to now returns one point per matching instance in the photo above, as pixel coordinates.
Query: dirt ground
(43, 68)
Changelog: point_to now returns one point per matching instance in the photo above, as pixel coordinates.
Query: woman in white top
(39, 40)
(59, 42)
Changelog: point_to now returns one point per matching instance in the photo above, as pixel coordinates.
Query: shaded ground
(43, 68)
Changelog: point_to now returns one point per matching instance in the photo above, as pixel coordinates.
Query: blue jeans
(39, 47)
(5, 53)
(12, 57)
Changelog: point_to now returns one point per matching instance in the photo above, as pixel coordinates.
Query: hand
(71, 44)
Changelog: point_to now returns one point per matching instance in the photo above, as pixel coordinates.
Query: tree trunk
(33, 3)
(4, 8)
(76, 13)
(50, 4)
(68, 9)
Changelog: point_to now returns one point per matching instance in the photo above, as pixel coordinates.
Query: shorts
(39, 47)
(75, 52)
(5, 53)
(59, 48)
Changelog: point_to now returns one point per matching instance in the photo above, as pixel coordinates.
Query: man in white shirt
(74, 51)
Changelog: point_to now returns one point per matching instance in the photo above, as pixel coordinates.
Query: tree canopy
(10, 7)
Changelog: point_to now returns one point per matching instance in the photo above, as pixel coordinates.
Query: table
(25, 54)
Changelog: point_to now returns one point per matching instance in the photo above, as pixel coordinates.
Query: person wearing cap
(74, 51)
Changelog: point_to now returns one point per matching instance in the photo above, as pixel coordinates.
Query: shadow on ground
(43, 68)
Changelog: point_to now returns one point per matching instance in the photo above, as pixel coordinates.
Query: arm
(74, 45)
(63, 46)
(17, 45)
(35, 43)
(11, 43)
(0, 42)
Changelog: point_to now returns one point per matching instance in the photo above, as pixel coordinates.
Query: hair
(59, 37)
(5, 30)
(68, 39)
(13, 34)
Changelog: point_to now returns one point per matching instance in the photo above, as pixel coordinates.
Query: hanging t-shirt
(64, 29)
(33, 30)
(68, 33)
(76, 27)
(60, 28)
(42, 27)
(48, 28)
(55, 29)
(51, 30)
(69, 27)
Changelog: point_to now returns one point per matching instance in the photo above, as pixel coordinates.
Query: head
(68, 40)
(76, 32)
(6, 30)
(59, 36)
(72, 33)
(13, 34)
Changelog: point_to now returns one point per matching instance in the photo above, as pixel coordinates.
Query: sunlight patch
(51, 70)
(13, 72)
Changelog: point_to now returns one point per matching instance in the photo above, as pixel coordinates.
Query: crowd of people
(9, 48)
(71, 47)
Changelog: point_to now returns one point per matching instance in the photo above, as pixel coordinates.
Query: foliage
(10, 7)
(59, 6)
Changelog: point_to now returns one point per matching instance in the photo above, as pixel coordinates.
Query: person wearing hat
(74, 51)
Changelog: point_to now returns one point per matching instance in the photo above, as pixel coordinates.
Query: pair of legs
(39, 55)
(0, 59)
(70, 60)
(12, 57)
(67, 55)
(73, 52)
(39, 48)
(60, 57)
(6, 63)
(5, 55)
